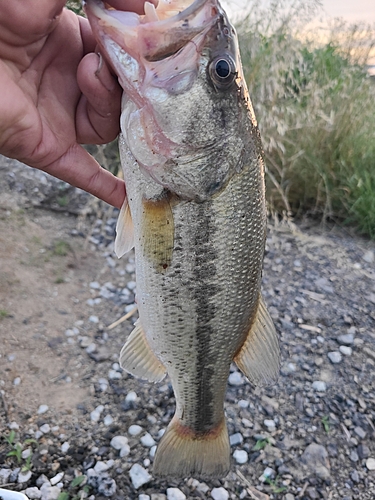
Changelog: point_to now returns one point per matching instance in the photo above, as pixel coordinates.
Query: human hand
(56, 93)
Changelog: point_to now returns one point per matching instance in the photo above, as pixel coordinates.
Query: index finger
(136, 6)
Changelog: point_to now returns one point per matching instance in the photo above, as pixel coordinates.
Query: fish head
(186, 113)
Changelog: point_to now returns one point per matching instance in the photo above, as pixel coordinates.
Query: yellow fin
(183, 453)
(137, 358)
(124, 231)
(258, 358)
(158, 232)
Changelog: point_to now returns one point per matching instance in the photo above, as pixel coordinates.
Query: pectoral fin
(124, 231)
(258, 358)
(137, 358)
(158, 232)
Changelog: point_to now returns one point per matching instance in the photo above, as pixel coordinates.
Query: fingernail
(104, 76)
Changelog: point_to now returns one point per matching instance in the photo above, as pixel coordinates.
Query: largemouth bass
(195, 213)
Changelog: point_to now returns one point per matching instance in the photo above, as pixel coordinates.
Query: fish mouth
(158, 34)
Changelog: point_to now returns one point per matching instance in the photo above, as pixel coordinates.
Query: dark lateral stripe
(204, 295)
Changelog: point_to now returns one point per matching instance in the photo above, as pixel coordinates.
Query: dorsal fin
(124, 231)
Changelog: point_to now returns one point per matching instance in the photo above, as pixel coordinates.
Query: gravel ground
(310, 436)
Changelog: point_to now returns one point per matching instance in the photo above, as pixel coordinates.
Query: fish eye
(222, 71)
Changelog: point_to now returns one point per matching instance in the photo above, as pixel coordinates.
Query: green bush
(315, 105)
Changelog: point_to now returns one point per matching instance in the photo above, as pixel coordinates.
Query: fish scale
(195, 213)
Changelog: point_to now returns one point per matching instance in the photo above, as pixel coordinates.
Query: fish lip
(174, 31)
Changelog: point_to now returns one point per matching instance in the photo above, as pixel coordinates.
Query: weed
(3, 314)
(74, 485)
(17, 449)
(61, 248)
(326, 423)
(275, 488)
(260, 444)
(315, 106)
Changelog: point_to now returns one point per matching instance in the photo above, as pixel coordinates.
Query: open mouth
(161, 32)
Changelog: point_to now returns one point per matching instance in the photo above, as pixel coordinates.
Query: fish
(195, 214)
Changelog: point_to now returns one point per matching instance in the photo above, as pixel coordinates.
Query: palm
(44, 115)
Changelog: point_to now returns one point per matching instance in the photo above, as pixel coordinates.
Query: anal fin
(137, 358)
(124, 231)
(258, 358)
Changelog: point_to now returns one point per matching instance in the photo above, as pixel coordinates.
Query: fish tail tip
(184, 453)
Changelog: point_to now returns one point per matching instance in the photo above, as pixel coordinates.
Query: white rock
(335, 357)
(236, 379)
(49, 492)
(23, 477)
(114, 375)
(242, 403)
(139, 476)
(118, 442)
(175, 494)
(56, 479)
(108, 420)
(270, 424)
(131, 285)
(95, 285)
(369, 257)
(219, 494)
(235, 439)
(94, 319)
(41, 480)
(4, 475)
(134, 430)
(319, 386)
(45, 428)
(144, 497)
(148, 441)
(26, 453)
(17, 381)
(65, 447)
(346, 350)
(42, 409)
(14, 426)
(125, 450)
(38, 434)
(91, 348)
(95, 414)
(153, 451)
(240, 456)
(33, 493)
(131, 397)
(370, 463)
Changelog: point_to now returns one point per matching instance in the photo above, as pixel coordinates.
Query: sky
(350, 10)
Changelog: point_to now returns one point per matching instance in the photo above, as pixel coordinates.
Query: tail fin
(183, 453)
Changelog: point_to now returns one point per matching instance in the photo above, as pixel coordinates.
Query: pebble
(94, 319)
(125, 450)
(42, 409)
(119, 442)
(346, 339)
(108, 420)
(134, 430)
(106, 486)
(361, 433)
(363, 451)
(235, 439)
(289, 496)
(346, 350)
(131, 397)
(354, 456)
(17, 381)
(369, 257)
(56, 479)
(236, 379)
(240, 456)
(101, 466)
(4, 475)
(315, 457)
(33, 493)
(175, 494)
(319, 386)
(139, 476)
(23, 477)
(65, 447)
(95, 414)
(49, 492)
(219, 494)
(335, 357)
(370, 463)
(45, 428)
(270, 424)
(354, 476)
(95, 285)
(114, 375)
(144, 497)
(148, 441)
(14, 426)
